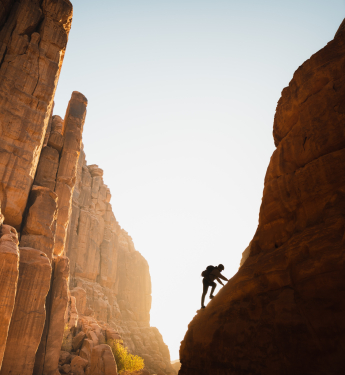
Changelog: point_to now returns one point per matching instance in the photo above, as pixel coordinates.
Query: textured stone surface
(33, 38)
(47, 357)
(66, 175)
(78, 365)
(102, 361)
(39, 224)
(282, 313)
(29, 313)
(9, 264)
(109, 278)
(47, 168)
(78, 340)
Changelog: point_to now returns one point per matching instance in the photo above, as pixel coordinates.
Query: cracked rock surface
(33, 38)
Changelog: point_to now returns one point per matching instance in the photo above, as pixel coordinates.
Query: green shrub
(125, 361)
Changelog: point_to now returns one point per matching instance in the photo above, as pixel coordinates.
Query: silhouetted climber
(209, 275)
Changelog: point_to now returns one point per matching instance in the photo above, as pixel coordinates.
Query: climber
(209, 275)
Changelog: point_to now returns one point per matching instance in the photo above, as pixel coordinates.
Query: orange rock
(33, 38)
(47, 168)
(58, 299)
(86, 349)
(9, 262)
(80, 296)
(78, 340)
(38, 231)
(78, 365)
(29, 313)
(103, 361)
(73, 128)
(282, 313)
(111, 280)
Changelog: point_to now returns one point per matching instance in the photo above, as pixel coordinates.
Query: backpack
(207, 271)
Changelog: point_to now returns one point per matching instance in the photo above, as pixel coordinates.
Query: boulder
(103, 361)
(78, 365)
(78, 340)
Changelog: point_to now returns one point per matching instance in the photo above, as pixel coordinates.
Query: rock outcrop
(9, 262)
(29, 315)
(109, 278)
(282, 313)
(39, 166)
(33, 38)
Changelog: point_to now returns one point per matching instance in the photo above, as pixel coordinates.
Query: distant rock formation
(283, 312)
(110, 280)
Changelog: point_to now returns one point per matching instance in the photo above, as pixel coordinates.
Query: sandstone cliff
(33, 38)
(282, 313)
(39, 156)
(109, 278)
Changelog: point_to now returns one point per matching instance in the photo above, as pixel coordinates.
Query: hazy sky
(182, 95)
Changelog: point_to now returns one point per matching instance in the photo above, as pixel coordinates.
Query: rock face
(66, 174)
(282, 313)
(39, 166)
(109, 278)
(9, 262)
(29, 313)
(33, 38)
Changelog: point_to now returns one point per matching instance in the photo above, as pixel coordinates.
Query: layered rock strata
(109, 278)
(33, 38)
(282, 313)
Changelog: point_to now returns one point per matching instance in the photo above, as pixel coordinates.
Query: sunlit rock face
(283, 312)
(109, 280)
(33, 38)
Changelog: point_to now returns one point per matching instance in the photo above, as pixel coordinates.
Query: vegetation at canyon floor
(125, 361)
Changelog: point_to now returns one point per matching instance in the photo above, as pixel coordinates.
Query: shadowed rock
(9, 264)
(282, 313)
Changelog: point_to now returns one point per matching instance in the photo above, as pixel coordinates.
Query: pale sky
(182, 96)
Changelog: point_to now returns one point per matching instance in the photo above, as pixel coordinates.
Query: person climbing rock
(209, 275)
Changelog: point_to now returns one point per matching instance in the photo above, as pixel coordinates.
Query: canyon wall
(109, 278)
(40, 165)
(282, 313)
(33, 38)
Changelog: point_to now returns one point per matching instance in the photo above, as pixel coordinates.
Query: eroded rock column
(66, 176)
(9, 264)
(33, 38)
(29, 313)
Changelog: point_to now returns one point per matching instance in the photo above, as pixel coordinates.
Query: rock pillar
(9, 262)
(29, 313)
(39, 225)
(47, 358)
(33, 38)
(66, 176)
